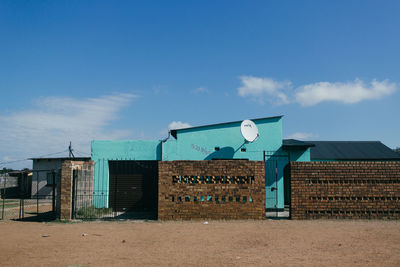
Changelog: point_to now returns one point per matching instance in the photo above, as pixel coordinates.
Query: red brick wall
(217, 189)
(356, 190)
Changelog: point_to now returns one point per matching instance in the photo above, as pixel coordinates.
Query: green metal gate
(275, 163)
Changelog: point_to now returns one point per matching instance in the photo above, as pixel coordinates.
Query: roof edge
(174, 131)
(294, 143)
(62, 158)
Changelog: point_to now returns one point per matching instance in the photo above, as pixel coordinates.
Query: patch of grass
(87, 213)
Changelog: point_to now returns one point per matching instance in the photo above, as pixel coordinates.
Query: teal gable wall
(199, 143)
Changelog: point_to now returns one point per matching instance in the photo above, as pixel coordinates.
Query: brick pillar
(66, 191)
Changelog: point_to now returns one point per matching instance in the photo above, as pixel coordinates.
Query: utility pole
(70, 150)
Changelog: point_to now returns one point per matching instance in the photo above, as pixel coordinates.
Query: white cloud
(200, 90)
(281, 92)
(301, 136)
(175, 125)
(347, 93)
(260, 89)
(55, 121)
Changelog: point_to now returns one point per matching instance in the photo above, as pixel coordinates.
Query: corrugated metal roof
(351, 150)
(293, 143)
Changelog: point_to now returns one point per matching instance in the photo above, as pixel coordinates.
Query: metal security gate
(126, 192)
(29, 195)
(275, 187)
(130, 193)
(133, 186)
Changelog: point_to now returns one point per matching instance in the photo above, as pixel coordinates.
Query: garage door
(133, 185)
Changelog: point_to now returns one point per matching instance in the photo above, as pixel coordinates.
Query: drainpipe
(162, 144)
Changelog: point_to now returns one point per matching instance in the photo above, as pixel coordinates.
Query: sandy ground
(218, 243)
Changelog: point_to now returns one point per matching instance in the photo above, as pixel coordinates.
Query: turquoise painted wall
(199, 143)
(103, 151)
(299, 155)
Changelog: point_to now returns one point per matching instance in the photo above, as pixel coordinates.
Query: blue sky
(84, 70)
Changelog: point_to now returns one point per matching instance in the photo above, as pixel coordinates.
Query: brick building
(199, 172)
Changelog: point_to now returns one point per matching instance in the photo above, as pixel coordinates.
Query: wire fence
(24, 196)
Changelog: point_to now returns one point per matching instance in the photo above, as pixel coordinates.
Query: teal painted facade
(199, 143)
(220, 141)
(103, 151)
(299, 154)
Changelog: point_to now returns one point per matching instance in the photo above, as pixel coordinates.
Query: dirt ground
(218, 243)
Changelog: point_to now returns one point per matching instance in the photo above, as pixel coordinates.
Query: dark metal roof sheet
(174, 131)
(351, 150)
(293, 143)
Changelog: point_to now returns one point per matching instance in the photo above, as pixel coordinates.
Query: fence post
(4, 197)
(37, 194)
(54, 192)
(66, 190)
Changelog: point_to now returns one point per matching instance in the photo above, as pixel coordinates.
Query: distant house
(16, 184)
(42, 177)
(351, 151)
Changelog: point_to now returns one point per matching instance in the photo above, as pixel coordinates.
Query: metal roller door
(133, 185)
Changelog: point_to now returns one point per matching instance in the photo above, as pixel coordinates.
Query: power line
(53, 153)
(83, 153)
(19, 160)
(8, 162)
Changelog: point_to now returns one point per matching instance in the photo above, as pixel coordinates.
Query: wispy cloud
(54, 121)
(175, 125)
(301, 136)
(200, 90)
(347, 93)
(281, 92)
(261, 89)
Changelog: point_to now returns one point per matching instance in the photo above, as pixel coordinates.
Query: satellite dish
(249, 130)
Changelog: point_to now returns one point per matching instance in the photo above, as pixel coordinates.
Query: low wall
(217, 189)
(355, 190)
